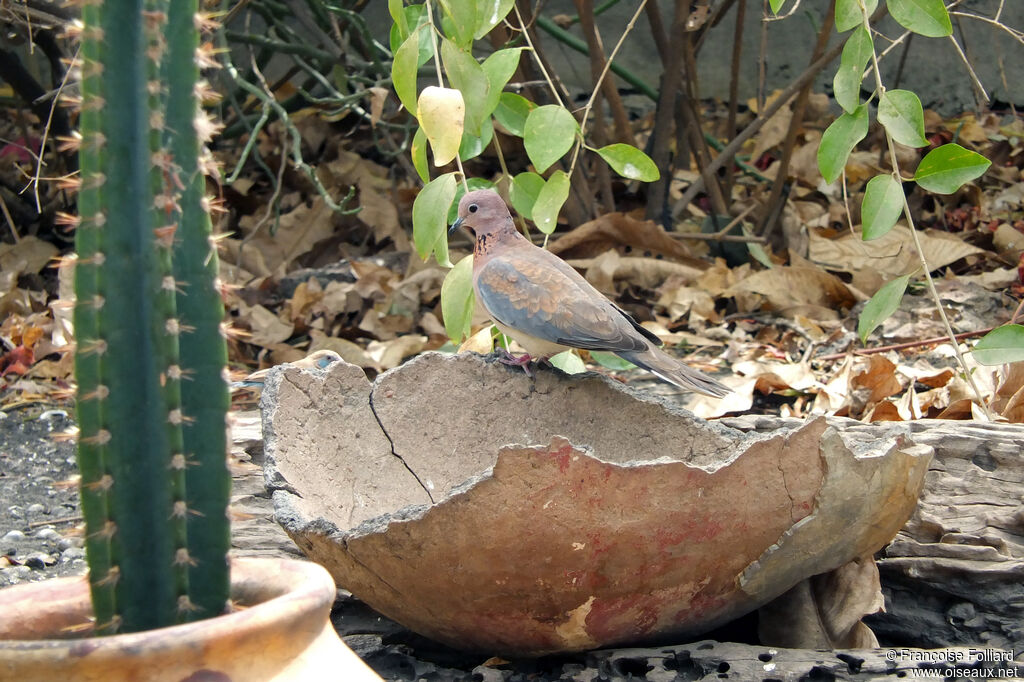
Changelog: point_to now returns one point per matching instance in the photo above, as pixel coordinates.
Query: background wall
(933, 69)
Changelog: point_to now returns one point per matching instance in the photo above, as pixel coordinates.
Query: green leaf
(848, 13)
(1001, 345)
(901, 113)
(489, 14)
(846, 83)
(883, 304)
(630, 162)
(838, 141)
(549, 133)
(415, 22)
(467, 76)
(457, 299)
(776, 5)
(523, 193)
(568, 362)
(462, 15)
(549, 202)
(882, 205)
(472, 146)
(430, 213)
(610, 360)
(460, 190)
(512, 111)
(403, 71)
(946, 169)
(401, 24)
(498, 68)
(756, 250)
(418, 151)
(927, 17)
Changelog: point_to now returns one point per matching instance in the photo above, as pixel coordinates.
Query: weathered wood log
(954, 575)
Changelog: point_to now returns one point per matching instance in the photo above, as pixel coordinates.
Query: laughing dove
(540, 301)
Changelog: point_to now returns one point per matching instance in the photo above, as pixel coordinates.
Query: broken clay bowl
(494, 512)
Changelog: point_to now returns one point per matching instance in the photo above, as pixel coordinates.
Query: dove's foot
(524, 361)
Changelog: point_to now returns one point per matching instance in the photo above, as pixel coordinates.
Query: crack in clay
(785, 486)
(391, 443)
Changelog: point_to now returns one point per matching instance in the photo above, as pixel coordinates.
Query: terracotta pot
(284, 633)
(564, 513)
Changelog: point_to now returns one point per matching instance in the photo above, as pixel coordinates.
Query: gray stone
(37, 509)
(72, 553)
(48, 534)
(13, 536)
(40, 560)
(64, 543)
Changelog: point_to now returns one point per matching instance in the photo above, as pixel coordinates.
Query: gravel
(40, 533)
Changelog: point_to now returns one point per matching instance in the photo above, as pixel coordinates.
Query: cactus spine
(139, 364)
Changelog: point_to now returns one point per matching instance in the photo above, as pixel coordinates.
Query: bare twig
(734, 83)
(795, 124)
(917, 240)
(903, 346)
(979, 89)
(730, 150)
(601, 79)
(661, 134)
(599, 67)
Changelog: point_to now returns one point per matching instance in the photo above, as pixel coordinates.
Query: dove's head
(483, 212)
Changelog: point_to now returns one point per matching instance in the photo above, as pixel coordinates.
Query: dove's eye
(473, 208)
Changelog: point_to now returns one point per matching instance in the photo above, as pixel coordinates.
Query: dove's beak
(456, 225)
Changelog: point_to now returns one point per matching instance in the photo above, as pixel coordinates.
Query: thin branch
(600, 80)
(731, 149)
(894, 160)
(903, 346)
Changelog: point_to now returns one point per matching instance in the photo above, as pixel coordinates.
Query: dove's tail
(669, 369)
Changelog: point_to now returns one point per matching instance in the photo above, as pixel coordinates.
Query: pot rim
(267, 587)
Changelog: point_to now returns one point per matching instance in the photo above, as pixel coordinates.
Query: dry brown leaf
(1009, 397)
(388, 354)
(614, 230)
(648, 273)
(993, 280)
(885, 411)
(958, 409)
(784, 288)
(968, 129)
(378, 209)
(482, 342)
(889, 256)
(1009, 241)
(385, 327)
(373, 281)
(804, 164)
(28, 256)
(432, 326)
(299, 307)
(340, 298)
(878, 380)
(825, 611)
(349, 351)
(772, 133)
(772, 376)
(688, 302)
(298, 231)
(266, 328)
(377, 98)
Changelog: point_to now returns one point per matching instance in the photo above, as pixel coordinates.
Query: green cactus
(150, 357)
